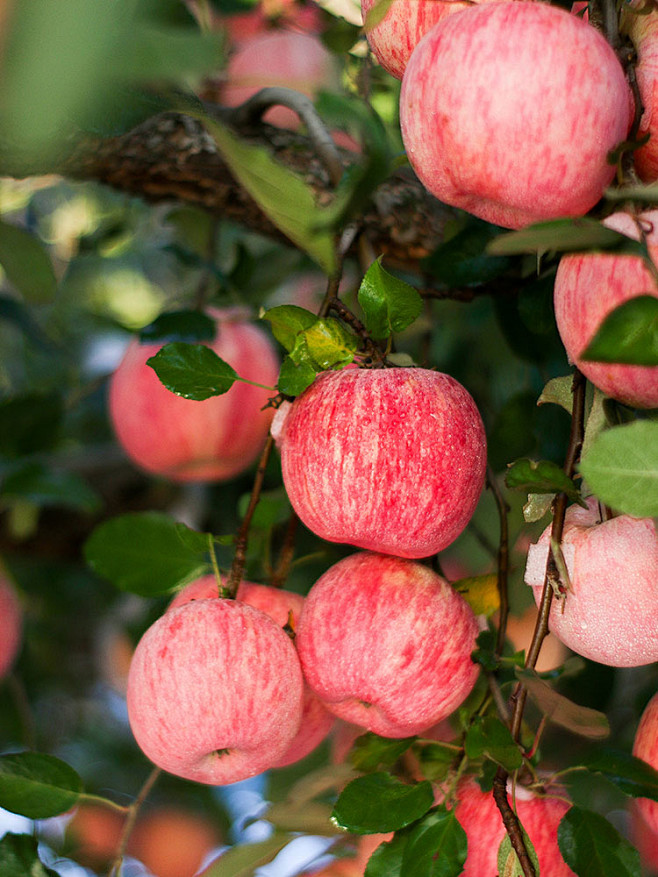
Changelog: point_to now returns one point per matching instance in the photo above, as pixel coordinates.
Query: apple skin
(480, 818)
(489, 123)
(643, 31)
(185, 440)
(588, 287)
(215, 675)
(284, 607)
(386, 644)
(645, 746)
(611, 613)
(392, 460)
(11, 625)
(294, 60)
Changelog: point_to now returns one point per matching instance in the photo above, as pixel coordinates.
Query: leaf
(242, 860)
(537, 506)
(294, 378)
(379, 802)
(192, 371)
(370, 751)
(508, 861)
(463, 259)
(288, 321)
(621, 468)
(436, 847)
(628, 335)
(540, 477)
(559, 392)
(330, 343)
(19, 857)
(488, 736)
(480, 592)
(311, 818)
(631, 775)
(26, 264)
(143, 552)
(282, 195)
(14, 311)
(389, 304)
(51, 487)
(386, 861)
(565, 236)
(592, 847)
(273, 508)
(30, 423)
(435, 760)
(181, 325)
(561, 711)
(37, 785)
(376, 14)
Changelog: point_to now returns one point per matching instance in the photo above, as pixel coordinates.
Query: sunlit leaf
(389, 304)
(287, 322)
(480, 592)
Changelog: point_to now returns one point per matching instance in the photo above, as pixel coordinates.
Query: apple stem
(503, 559)
(286, 554)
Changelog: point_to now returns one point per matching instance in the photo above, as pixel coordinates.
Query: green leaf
(330, 343)
(540, 477)
(26, 264)
(30, 423)
(187, 326)
(44, 486)
(565, 236)
(559, 392)
(463, 260)
(380, 802)
(14, 311)
(561, 711)
(592, 847)
(386, 860)
(537, 506)
(288, 322)
(435, 760)
(295, 378)
(144, 553)
(621, 468)
(630, 774)
(389, 304)
(37, 785)
(282, 195)
(192, 371)
(19, 857)
(242, 860)
(436, 847)
(376, 14)
(508, 861)
(628, 335)
(273, 508)
(488, 736)
(370, 751)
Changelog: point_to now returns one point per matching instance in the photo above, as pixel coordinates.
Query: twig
(503, 559)
(133, 810)
(286, 553)
(511, 822)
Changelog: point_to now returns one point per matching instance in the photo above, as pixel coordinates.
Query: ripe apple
(610, 615)
(386, 644)
(215, 691)
(94, 833)
(588, 287)
(173, 842)
(645, 746)
(643, 837)
(480, 818)
(284, 607)
(11, 625)
(640, 23)
(294, 60)
(185, 440)
(392, 460)
(489, 122)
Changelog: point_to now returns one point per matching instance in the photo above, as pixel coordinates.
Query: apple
(185, 440)
(641, 25)
(93, 834)
(284, 607)
(392, 460)
(509, 111)
(386, 644)
(479, 816)
(215, 691)
(286, 58)
(610, 615)
(173, 842)
(645, 746)
(588, 287)
(11, 625)
(643, 837)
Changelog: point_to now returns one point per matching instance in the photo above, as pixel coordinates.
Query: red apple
(185, 440)
(641, 25)
(386, 644)
(392, 460)
(643, 837)
(284, 607)
(610, 615)
(94, 833)
(215, 691)
(11, 625)
(294, 60)
(493, 101)
(172, 842)
(588, 287)
(480, 818)
(645, 746)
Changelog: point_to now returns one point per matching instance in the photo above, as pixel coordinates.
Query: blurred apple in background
(392, 460)
(185, 440)
(640, 23)
(11, 624)
(173, 842)
(645, 746)
(588, 287)
(93, 834)
(520, 630)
